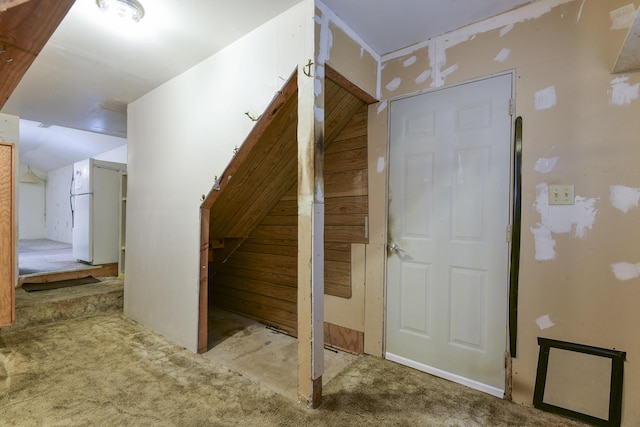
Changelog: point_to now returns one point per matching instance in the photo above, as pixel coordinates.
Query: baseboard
(485, 388)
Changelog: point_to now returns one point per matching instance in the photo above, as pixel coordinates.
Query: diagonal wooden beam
(25, 28)
(8, 4)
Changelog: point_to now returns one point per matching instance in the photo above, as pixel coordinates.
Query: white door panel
(448, 215)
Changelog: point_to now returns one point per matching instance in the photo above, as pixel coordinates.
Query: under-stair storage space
(252, 214)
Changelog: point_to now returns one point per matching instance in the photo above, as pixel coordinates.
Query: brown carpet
(106, 370)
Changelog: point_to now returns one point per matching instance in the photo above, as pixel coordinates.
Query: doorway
(449, 199)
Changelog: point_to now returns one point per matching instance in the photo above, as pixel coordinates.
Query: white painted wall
(118, 155)
(180, 136)
(31, 205)
(58, 207)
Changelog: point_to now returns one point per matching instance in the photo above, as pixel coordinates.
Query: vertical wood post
(310, 218)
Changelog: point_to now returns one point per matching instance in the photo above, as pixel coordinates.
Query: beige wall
(579, 264)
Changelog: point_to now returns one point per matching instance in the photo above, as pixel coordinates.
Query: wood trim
(8, 4)
(106, 270)
(7, 234)
(203, 287)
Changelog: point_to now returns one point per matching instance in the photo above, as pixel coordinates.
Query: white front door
(447, 271)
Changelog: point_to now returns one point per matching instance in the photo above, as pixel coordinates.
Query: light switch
(561, 195)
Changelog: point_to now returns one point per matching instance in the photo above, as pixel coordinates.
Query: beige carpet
(106, 370)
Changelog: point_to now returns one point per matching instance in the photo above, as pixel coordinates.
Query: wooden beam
(106, 270)
(8, 4)
(25, 27)
(310, 216)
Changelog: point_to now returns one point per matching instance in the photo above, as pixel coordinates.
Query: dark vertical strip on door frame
(515, 238)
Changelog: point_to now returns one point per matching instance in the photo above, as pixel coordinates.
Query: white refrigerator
(95, 202)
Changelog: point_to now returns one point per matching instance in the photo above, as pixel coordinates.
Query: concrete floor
(41, 255)
(264, 355)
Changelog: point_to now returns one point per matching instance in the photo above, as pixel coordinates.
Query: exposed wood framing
(24, 30)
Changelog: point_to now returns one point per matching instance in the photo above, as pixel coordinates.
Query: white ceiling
(90, 68)
(388, 25)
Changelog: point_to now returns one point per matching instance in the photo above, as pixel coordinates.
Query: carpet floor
(107, 370)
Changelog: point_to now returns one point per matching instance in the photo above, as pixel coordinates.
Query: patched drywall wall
(346, 52)
(180, 136)
(580, 264)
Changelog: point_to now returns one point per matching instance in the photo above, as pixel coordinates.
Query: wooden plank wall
(259, 280)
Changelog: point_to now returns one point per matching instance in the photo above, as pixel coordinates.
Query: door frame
(508, 352)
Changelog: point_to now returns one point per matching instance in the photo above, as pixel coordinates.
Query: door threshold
(485, 388)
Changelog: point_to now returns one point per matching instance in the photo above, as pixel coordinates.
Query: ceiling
(91, 69)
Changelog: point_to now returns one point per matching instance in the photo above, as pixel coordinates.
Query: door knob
(394, 248)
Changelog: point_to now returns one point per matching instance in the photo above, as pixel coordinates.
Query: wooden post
(310, 218)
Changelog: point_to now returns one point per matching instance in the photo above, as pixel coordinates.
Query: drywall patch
(504, 30)
(544, 322)
(545, 98)
(624, 198)
(575, 219)
(382, 106)
(437, 46)
(326, 38)
(423, 77)
(448, 71)
(621, 92)
(393, 84)
(409, 61)
(545, 244)
(502, 55)
(380, 166)
(625, 271)
(545, 164)
(580, 11)
(622, 17)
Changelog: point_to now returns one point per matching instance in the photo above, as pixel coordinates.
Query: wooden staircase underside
(25, 27)
(265, 166)
(248, 219)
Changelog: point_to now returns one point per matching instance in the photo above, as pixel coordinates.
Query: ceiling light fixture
(129, 10)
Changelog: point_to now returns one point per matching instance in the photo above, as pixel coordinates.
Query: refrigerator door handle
(71, 200)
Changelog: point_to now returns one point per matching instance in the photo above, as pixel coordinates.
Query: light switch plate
(561, 195)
